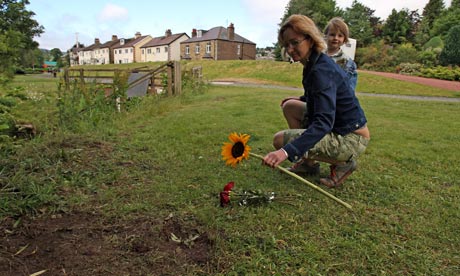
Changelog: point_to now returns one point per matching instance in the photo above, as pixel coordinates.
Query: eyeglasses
(293, 43)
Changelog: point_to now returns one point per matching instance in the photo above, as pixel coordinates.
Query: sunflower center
(237, 149)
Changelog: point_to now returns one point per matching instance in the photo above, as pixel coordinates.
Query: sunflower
(234, 152)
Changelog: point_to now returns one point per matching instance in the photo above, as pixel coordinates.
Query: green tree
(397, 27)
(32, 58)
(319, 11)
(359, 19)
(56, 54)
(450, 55)
(447, 20)
(17, 30)
(431, 11)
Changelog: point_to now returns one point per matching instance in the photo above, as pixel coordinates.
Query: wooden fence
(150, 79)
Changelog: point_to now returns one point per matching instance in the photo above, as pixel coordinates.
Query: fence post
(177, 78)
(66, 79)
(170, 82)
(82, 76)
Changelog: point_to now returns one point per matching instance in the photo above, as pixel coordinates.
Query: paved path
(448, 85)
(419, 98)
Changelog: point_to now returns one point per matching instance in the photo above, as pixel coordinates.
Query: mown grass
(163, 157)
(284, 73)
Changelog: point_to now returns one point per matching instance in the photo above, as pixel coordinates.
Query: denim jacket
(331, 104)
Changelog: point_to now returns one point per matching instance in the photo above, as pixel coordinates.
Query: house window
(131, 50)
(158, 50)
(149, 51)
(238, 50)
(142, 51)
(208, 48)
(126, 51)
(187, 50)
(197, 49)
(166, 49)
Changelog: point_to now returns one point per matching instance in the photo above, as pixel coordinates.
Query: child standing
(337, 34)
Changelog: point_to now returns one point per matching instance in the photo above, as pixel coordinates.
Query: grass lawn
(160, 163)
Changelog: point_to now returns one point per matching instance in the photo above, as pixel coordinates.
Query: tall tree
(17, 30)
(397, 27)
(432, 10)
(448, 19)
(360, 19)
(319, 11)
(451, 52)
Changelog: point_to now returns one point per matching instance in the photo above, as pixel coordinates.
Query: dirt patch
(84, 244)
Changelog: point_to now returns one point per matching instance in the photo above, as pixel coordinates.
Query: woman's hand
(274, 158)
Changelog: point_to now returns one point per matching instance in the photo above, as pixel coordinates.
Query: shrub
(433, 43)
(410, 68)
(404, 53)
(439, 72)
(451, 52)
(429, 57)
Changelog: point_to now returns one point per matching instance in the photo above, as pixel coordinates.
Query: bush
(443, 73)
(410, 68)
(429, 57)
(375, 57)
(450, 55)
(404, 53)
(433, 43)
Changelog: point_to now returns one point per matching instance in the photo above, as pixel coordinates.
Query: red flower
(225, 194)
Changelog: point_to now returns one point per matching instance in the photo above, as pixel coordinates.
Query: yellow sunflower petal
(233, 153)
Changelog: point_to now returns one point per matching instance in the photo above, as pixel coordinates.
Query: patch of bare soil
(85, 244)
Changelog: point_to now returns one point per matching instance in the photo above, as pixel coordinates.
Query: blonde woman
(333, 128)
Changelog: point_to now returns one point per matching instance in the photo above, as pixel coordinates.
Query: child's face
(334, 40)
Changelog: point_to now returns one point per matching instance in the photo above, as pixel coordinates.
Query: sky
(65, 22)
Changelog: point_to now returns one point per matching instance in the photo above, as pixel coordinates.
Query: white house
(129, 51)
(163, 48)
(86, 55)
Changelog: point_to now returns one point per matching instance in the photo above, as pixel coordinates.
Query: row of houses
(218, 43)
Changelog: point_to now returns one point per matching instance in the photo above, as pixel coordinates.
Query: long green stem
(311, 185)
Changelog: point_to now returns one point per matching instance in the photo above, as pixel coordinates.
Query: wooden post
(82, 76)
(177, 78)
(170, 81)
(66, 79)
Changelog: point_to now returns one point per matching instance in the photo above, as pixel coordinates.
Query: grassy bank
(284, 73)
(160, 161)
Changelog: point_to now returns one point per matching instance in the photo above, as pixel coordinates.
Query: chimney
(137, 35)
(193, 33)
(114, 37)
(96, 41)
(231, 32)
(168, 33)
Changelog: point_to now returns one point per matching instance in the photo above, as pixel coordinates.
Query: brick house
(218, 43)
(129, 51)
(163, 48)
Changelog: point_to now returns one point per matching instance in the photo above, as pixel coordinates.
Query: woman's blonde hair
(337, 24)
(303, 25)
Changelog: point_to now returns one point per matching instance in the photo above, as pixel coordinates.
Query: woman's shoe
(303, 168)
(338, 174)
